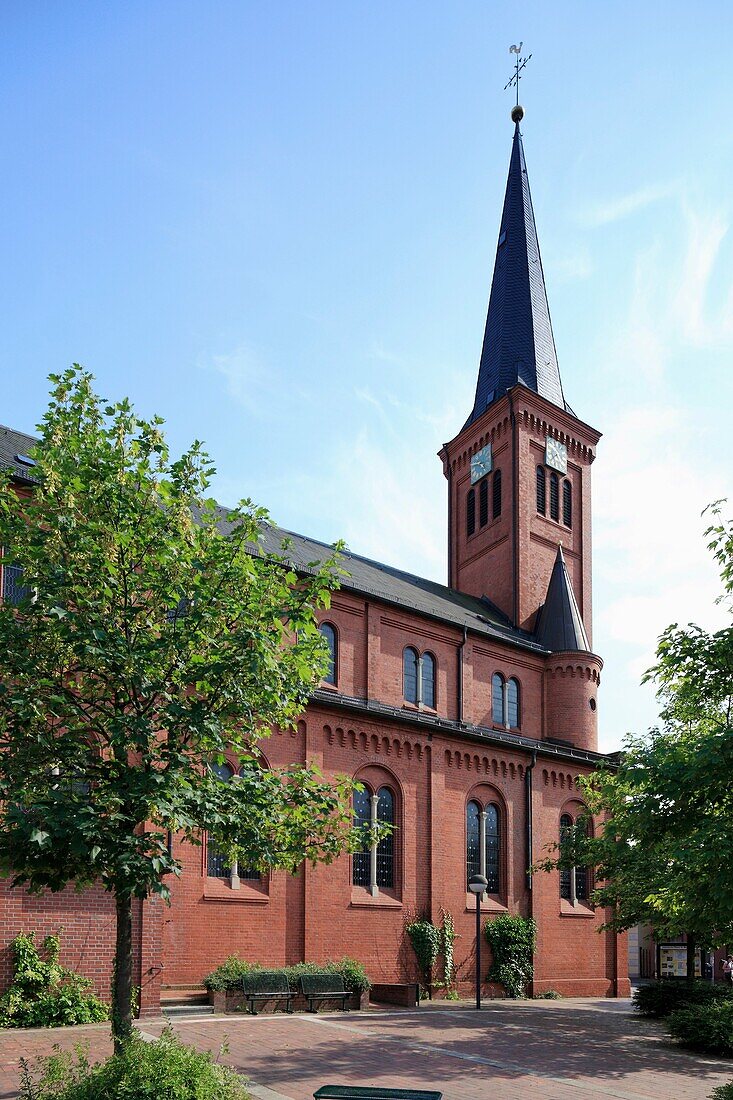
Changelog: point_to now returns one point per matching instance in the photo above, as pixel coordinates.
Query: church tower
(519, 485)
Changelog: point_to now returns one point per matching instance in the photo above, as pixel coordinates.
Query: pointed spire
(518, 342)
(559, 623)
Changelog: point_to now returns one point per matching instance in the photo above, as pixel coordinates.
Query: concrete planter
(232, 1000)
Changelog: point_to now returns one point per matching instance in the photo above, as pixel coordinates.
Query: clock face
(480, 464)
(556, 455)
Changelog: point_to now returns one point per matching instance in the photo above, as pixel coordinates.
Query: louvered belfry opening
(541, 490)
(483, 502)
(471, 512)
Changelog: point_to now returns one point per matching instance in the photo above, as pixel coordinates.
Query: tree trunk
(122, 981)
(691, 946)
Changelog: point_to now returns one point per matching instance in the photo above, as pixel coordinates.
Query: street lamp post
(478, 885)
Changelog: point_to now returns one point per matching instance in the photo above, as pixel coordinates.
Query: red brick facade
(434, 759)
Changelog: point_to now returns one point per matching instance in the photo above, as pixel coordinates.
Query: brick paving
(567, 1050)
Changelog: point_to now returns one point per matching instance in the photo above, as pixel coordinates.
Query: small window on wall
(409, 675)
(471, 512)
(483, 502)
(554, 497)
(574, 881)
(360, 861)
(418, 678)
(427, 668)
(541, 490)
(329, 633)
(217, 865)
(512, 703)
(567, 503)
(497, 699)
(374, 866)
(496, 496)
(483, 844)
(12, 580)
(505, 702)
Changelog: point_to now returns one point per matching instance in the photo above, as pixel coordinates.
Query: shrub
(229, 974)
(425, 938)
(548, 995)
(165, 1069)
(707, 1028)
(660, 998)
(512, 941)
(724, 1092)
(43, 993)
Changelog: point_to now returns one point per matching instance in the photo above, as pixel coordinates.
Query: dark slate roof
(12, 444)
(518, 342)
(405, 590)
(559, 623)
(370, 578)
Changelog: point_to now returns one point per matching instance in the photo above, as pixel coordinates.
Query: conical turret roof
(559, 623)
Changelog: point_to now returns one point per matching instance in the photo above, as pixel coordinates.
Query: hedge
(229, 974)
(705, 1028)
(660, 998)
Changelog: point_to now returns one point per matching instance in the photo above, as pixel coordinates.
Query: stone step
(186, 1008)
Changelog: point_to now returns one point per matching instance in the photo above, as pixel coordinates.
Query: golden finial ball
(517, 113)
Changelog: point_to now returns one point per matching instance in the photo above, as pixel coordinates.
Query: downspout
(451, 583)
(528, 794)
(528, 800)
(515, 511)
(459, 673)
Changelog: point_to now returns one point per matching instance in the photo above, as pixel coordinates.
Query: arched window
(374, 866)
(427, 680)
(496, 496)
(574, 881)
(385, 848)
(409, 675)
(566, 875)
(492, 848)
(473, 840)
(554, 497)
(497, 699)
(470, 512)
(360, 861)
(329, 633)
(418, 678)
(541, 490)
(483, 853)
(216, 862)
(567, 503)
(512, 703)
(14, 591)
(483, 502)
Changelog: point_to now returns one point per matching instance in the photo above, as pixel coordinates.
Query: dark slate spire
(559, 625)
(518, 341)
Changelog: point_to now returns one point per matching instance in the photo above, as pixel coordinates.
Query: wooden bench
(324, 987)
(350, 1092)
(266, 985)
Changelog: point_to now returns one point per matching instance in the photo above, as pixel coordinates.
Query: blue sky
(275, 225)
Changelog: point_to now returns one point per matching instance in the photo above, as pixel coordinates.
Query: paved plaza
(567, 1050)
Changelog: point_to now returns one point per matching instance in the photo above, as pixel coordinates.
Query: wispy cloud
(614, 209)
(657, 469)
(572, 266)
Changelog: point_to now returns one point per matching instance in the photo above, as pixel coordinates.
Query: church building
(466, 710)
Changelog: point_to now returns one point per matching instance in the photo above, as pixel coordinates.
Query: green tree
(154, 634)
(663, 849)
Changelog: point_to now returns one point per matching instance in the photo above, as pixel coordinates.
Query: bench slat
(351, 1092)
